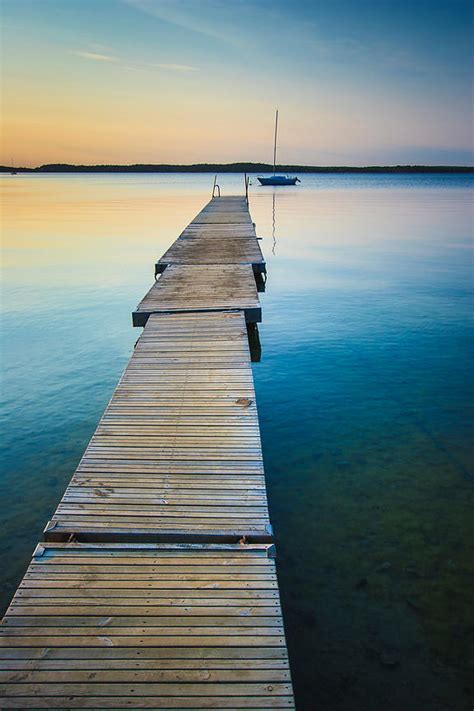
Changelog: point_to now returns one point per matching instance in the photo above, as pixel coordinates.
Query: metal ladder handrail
(247, 182)
(214, 188)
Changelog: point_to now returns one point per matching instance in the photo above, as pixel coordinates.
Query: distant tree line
(236, 168)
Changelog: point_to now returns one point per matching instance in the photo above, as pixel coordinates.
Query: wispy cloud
(95, 56)
(173, 67)
(133, 66)
(211, 18)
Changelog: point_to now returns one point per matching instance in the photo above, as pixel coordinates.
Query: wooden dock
(155, 586)
(146, 626)
(222, 233)
(206, 287)
(177, 452)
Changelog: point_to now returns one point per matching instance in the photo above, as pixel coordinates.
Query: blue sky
(357, 83)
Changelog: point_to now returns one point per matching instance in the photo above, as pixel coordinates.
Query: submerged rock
(383, 567)
(389, 658)
(413, 604)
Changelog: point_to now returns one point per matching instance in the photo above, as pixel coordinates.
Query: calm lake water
(364, 392)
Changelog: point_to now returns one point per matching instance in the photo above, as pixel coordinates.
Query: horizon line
(235, 166)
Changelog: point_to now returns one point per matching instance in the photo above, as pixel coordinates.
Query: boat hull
(278, 180)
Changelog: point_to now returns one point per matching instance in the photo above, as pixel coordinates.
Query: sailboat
(278, 179)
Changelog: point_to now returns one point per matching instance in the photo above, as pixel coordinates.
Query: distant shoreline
(235, 168)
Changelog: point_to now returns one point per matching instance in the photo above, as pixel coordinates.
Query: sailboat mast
(275, 143)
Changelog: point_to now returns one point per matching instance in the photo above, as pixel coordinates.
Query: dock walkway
(155, 586)
(222, 233)
(205, 287)
(177, 452)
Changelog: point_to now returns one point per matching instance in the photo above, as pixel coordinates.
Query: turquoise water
(364, 393)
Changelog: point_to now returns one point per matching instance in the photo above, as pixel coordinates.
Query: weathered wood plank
(193, 621)
(222, 233)
(75, 655)
(185, 287)
(185, 474)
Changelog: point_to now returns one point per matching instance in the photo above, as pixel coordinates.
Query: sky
(357, 82)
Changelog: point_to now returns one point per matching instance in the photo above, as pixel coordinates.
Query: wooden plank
(75, 655)
(153, 702)
(186, 250)
(207, 287)
(222, 233)
(177, 452)
(193, 620)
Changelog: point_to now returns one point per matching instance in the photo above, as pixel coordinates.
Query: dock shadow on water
(363, 389)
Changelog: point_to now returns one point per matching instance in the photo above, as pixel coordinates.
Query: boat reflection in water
(274, 244)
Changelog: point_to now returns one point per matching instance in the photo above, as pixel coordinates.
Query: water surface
(364, 394)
